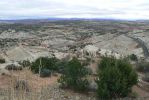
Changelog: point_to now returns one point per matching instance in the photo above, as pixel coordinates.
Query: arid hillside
(23, 45)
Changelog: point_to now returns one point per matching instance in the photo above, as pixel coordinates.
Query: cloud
(121, 9)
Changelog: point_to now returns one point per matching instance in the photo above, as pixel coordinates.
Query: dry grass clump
(23, 85)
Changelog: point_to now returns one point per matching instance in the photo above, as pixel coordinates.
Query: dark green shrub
(45, 72)
(133, 57)
(143, 67)
(13, 67)
(45, 62)
(74, 76)
(115, 78)
(61, 65)
(2, 61)
(25, 63)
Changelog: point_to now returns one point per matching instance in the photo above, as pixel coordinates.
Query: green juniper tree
(115, 78)
(74, 76)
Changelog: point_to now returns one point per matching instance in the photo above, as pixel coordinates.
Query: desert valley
(23, 42)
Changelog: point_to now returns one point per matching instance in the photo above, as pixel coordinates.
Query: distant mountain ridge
(34, 21)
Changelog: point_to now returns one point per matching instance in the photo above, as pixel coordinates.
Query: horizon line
(73, 18)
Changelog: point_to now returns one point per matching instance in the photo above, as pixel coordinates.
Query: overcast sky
(117, 9)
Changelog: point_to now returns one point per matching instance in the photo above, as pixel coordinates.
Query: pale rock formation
(109, 53)
(91, 50)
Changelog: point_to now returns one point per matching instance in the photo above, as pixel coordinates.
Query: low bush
(13, 67)
(133, 57)
(25, 63)
(44, 62)
(45, 72)
(61, 65)
(2, 61)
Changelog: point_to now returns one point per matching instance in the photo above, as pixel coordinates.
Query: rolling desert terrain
(65, 39)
